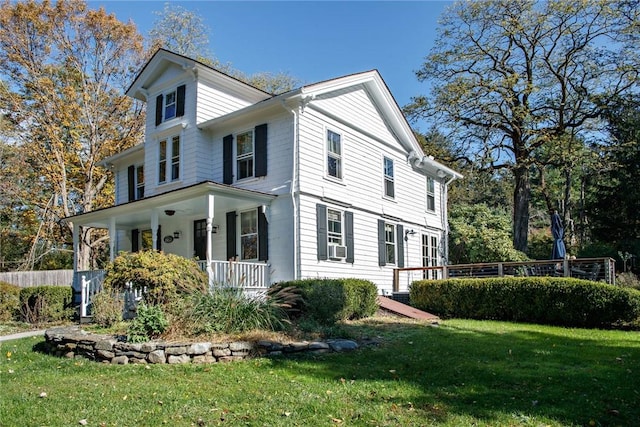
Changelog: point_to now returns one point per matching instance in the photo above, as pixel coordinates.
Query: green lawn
(461, 373)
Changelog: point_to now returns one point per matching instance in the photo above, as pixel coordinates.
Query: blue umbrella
(558, 251)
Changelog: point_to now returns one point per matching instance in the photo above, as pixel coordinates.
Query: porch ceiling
(187, 201)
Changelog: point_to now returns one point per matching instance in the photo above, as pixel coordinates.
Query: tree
(510, 77)
(65, 68)
(613, 202)
(184, 32)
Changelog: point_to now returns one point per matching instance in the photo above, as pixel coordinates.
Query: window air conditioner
(337, 252)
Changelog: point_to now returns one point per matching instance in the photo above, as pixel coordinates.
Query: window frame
(335, 238)
(390, 242)
(253, 234)
(169, 159)
(166, 105)
(250, 157)
(332, 155)
(430, 190)
(139, 181)
(388, 179)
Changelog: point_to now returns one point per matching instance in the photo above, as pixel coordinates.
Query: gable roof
(163, 58)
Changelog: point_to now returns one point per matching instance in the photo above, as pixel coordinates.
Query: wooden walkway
(401, 309)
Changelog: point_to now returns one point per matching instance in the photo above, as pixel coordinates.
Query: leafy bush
(42, 304)
(107, 308)
(328, 301)
(165, 276)
(628, 280)
(481, 234)
(9, 302)
(149, 323)
(546, 300)
(229, 310)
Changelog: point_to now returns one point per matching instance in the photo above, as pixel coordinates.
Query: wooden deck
(405, 310)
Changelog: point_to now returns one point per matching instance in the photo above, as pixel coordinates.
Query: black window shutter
(231, 235)
(261, 150)
(135, 237)
(321, 227)
(348, 226)
(400, 245)
(131, 171)
(263, 236)
(180, 101)
(159, 109)
(227, 159)
(382, 247)
(159, 238)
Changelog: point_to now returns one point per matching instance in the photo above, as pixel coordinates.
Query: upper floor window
(169, 160)
(334, 155)
(170, 104)
(139, 182)
(389, 190)
(249, 235)
(431, 195)
(244, 155)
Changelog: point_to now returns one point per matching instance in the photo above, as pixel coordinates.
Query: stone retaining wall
(74, 342)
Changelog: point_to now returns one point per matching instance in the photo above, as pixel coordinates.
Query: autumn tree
(509, 77)
(66, 67)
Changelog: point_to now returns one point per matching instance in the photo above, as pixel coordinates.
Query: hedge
(46, 303)
(9, 302)
(328, 301)
(545, 300)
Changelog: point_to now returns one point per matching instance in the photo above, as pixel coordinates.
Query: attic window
(170, 105)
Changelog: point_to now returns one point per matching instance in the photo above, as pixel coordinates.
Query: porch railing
(90, 283)
(595, 269)
(250, 276)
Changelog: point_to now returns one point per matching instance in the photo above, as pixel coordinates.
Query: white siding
(213, 102)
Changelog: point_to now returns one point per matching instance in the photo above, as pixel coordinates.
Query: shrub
(9, 302)
(628, 280)
(328, 301)
(165, 276)
(149, 323)
(547, 300)
(41, 304)
(107, 308)
(229, 310)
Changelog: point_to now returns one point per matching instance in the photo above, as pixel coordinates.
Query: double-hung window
(334, 155)
(139, 182)
(390, 243)
(431, 195)
(170, 105)
(169, 159)
(244, 155)
(334, 227)
(249, 235)
(389, 189)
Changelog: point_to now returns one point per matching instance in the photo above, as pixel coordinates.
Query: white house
(326, 180)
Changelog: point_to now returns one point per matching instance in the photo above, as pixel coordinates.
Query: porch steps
(405, 310)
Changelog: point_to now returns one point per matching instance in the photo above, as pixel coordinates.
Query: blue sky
(312, 41)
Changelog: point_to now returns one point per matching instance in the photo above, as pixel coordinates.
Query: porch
(253, 278)
(595, 269)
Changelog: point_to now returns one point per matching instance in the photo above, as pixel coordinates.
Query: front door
(200, 239)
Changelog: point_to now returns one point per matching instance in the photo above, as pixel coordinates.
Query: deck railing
(595, 269)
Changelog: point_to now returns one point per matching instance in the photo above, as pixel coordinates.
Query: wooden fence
(27, 279)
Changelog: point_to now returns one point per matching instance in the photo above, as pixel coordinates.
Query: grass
(461, 373)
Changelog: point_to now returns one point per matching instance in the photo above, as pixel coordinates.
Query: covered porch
(224, 228)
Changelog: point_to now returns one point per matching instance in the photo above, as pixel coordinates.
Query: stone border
(73, 342)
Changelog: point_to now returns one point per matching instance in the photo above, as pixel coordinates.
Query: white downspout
(445, 217)
(293, 189)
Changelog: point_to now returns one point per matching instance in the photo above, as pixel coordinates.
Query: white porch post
(210, 205)
(154, 229)
(112, 238)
